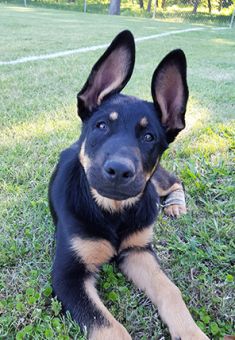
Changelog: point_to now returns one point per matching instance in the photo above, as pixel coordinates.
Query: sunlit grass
(201, 9)
(39, 128)
(224, 42)
(209, 142)
(21, 9)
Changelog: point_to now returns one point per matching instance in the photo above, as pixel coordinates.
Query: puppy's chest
(132, 231)
(135, 237)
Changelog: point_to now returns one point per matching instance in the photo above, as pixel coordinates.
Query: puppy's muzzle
(119, 171)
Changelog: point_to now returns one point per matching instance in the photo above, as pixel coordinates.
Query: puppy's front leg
(170, 189)
(76, 263)
(141, 266)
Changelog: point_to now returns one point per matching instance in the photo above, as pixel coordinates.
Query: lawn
(38, 119)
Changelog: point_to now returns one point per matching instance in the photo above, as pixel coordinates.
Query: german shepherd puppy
(104, 193)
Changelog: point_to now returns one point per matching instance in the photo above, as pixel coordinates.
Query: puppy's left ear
(109, 75)
(170, 92)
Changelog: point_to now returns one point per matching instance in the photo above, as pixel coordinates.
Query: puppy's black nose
(119, 172)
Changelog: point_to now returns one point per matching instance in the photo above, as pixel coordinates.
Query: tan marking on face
(83, 157)
(115, 330)
(92, 252)
(143, 269)
(113, 115)
(144, 122)
(113, 205)
(138, 239)
(164, 192)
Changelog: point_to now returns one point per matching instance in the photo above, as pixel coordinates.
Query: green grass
(38, 119)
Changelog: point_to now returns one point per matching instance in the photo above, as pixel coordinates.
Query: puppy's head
(124, 137)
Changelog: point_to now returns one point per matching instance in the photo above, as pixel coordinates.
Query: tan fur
(144, 122)
(115, 331)
(108, 89)
(84, 159)
(138, 239)
(92, 252)
(113, 115)
(113, 205)
(143, 269)
(164, 192)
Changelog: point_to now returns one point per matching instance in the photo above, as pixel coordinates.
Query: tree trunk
(209, 5)
(163, 4)
(114, 7)
(154, 9)
(141, 3)
(149, 6)
(220, 5)
(195, 6)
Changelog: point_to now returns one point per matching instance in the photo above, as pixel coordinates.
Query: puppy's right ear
(109, 75)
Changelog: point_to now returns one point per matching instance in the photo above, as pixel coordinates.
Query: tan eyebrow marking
(113, 115)
(144, 122)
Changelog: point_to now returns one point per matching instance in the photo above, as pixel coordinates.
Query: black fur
(125, 144)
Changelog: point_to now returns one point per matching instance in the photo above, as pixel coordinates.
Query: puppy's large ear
(170, 92)
(109, 75)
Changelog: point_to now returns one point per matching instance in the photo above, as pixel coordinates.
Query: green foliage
(180, 11)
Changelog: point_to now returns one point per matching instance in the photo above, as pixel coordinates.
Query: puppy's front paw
(174, 203)
(115, 332)
(175, 210)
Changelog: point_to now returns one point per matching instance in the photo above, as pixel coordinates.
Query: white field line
(165, 34)
(90, 48)
(220, 28)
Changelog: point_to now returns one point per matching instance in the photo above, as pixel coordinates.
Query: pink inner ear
(109, 77)
(170, 96)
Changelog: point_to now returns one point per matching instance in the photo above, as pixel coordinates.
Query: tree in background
(220, 5)
(195, 6)
(156, 2)
(114, 7)
(163, 4)
(141, 3)
(209, 5)
(149, 6)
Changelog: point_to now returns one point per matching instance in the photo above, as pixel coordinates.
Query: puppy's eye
(101, 125)
(148, 137)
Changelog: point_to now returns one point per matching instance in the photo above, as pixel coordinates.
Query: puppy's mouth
(116, 195)
(117, 192)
